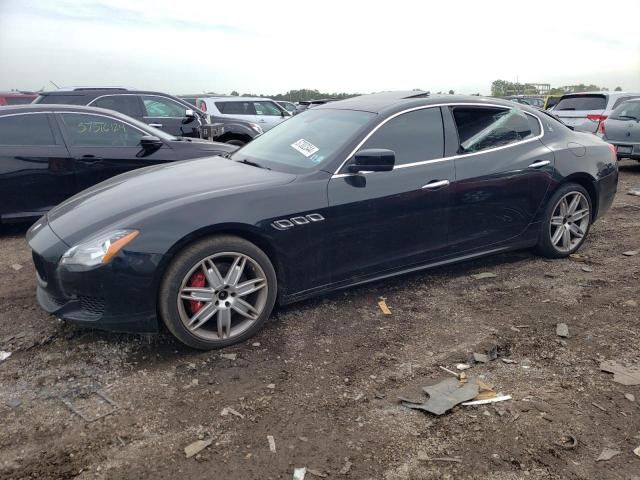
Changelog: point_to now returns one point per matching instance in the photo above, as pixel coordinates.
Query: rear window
(627, 111)
(18, 100)
(582, 102)
(621, 100)
(62, 99)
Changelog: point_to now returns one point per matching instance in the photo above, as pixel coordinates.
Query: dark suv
(160, 110)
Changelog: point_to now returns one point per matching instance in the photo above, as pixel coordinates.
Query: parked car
(361, 190)
(159, 110)
(288, 106)
(585, 111)
(263, 111)
(17, 98)
(302, 105)
(535, 101)
(550, 101)
(50, 152)
(622, 129)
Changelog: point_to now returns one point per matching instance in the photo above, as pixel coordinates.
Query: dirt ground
(324, 376)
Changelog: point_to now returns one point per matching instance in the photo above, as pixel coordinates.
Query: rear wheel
(217, 292)
(566, 221)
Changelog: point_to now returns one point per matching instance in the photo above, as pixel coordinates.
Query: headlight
(256, 127)
(98, 250)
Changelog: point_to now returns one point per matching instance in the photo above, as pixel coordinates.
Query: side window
(127, 104)
(98, 131)
(622, 100)
(267, 108)
(162, 107)
(236, 108)
(481, 128)
(413, 136)
(32, 129)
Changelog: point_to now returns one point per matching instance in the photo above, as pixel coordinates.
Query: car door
(103, 146)
(269, 114)
(129, 104)
(170, 116)
(36, 171)
(503, 173)
(382, 221)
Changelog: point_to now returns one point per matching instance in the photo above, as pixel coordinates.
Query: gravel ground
(324, 376)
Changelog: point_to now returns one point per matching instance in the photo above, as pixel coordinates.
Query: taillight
(203, 106)
(613, 150)
(596, 118)
(601, 128)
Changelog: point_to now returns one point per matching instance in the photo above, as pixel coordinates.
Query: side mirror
(150, 142)
(373, 160)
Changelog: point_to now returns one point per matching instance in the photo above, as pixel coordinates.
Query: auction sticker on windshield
(305, 148)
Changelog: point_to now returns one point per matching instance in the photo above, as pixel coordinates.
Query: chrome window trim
(435, 160)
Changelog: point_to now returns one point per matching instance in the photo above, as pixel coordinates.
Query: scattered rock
(196, 447)
(463, 366)
(347, 466)
(481, 357)
(229, 356)
(562, 330)
(634, 192)
(255, 344)
(272, 443)
(16, 266)
(271, 386)
(13, 403)
(508, 360)
(576, 257)
(607, 454)
(630, 396)
(630, 253)
(630, 304)
(228, 410)
(637, 451)
(4, 355)
(299, 473)
(587, 269)
(316, 473)
(483, 275)
(624, 375)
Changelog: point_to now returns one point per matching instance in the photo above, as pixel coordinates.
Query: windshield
(305, 142)
(627, 110)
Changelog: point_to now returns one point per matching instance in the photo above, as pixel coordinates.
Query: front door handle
(157, 125)
(262, 120)
(435, 184)
(540, 163)
(90, 159)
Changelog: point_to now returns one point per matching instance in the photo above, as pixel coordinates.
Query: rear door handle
(157, 125)
(90, 159)
(435, 184)
(539, 164)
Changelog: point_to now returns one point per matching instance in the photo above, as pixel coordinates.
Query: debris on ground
(316, 473)
(634, 192)
(255, 344)
(13, 403)
(568, 442)
(483, 275)
(562, 330)
(425, 458)
(607, 454)
(630, 304)
(576, 257)
(508, 360)
(4, 355)
(501, 398)
(299, 473)
(587, 269)
(271, 386)
(445, 395)
(272, 443)
(637, 451)
(630, 396)
(196, 447)
(463, 366)
(481, 357)
(16, 266)
(229, 356)
(485, 391)
(228, 410)
(383, 306)
(630, 253)
(624, 375)
(347, 466)
(100, 404)
(598, 406)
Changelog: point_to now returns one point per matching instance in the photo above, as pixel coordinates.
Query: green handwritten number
(82, 127)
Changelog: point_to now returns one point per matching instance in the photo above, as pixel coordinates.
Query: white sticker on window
(305, 148)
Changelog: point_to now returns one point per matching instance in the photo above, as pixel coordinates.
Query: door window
(481, 128)
(163, 107)
(127, 104)
(414, 137)
(32, 129)
(99, 131)
(236, 108)
(267, 108)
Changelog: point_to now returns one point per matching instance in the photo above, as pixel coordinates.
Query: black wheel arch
(587, 182)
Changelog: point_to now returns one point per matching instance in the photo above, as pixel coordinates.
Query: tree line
(503, 88)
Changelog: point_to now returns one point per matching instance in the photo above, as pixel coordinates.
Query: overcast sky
(335, 46)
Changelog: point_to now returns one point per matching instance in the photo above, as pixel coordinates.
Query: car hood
(201, 145)
(124, 198)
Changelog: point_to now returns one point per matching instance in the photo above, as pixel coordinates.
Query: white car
(263, 111)
(584, 111)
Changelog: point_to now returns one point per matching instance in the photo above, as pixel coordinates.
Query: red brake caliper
(196, 280)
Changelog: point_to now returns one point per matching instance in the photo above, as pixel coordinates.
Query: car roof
(18, 94)
(389, 102)
(102, 91)
(44, 107)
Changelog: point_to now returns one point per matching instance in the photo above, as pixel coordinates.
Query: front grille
(39, 263)
(91, 304)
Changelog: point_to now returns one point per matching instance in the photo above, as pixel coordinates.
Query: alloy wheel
(222, 296)
(569, 221)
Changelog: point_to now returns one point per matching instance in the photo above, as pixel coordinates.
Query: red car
(16, 98)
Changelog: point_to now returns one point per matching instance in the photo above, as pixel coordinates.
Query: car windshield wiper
(253, 164)
(623, 117)
(569, 108)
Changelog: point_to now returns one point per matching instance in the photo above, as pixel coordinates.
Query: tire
(220, 305)
(236, 142)
(557, 221)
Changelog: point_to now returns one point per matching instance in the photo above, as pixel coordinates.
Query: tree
(235, 94)
(618, 89)
(501, 88)
(451, 92)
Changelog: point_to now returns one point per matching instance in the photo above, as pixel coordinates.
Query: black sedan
(50, 152)
(342, 194)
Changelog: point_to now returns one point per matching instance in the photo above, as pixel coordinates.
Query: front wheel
(217, 292)
(566, 222)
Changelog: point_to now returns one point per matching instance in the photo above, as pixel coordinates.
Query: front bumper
(119, 296)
